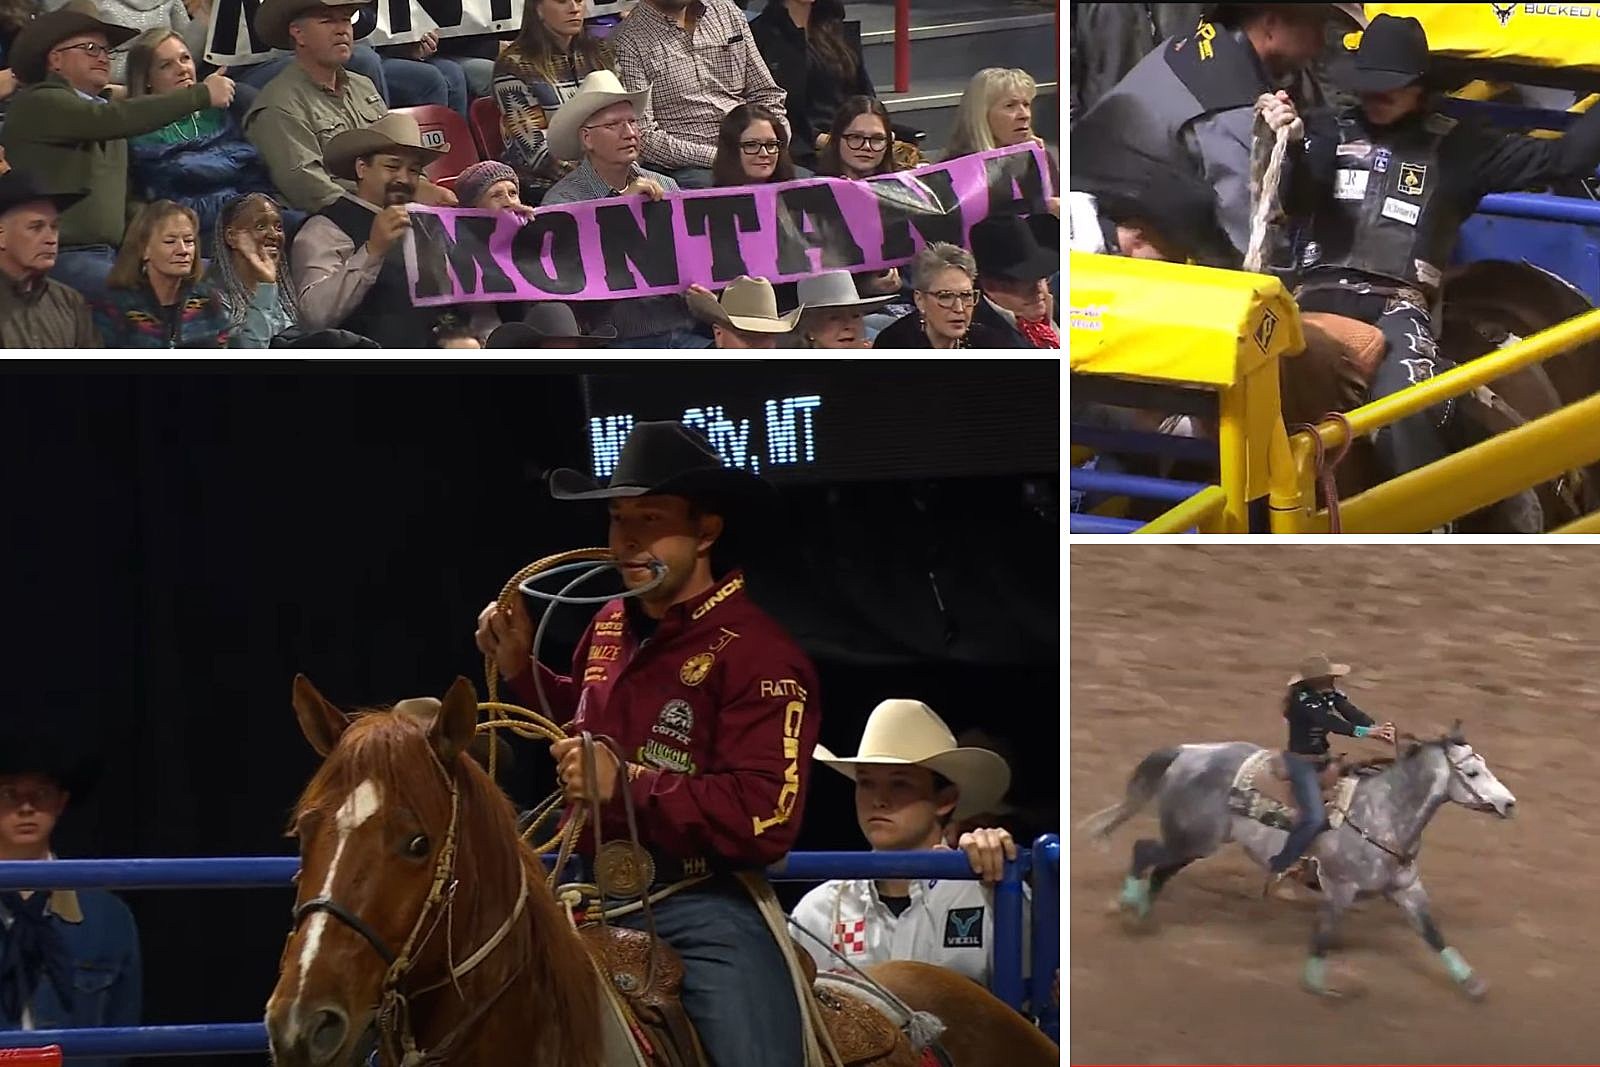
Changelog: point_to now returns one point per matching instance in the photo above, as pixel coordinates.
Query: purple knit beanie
(480, 178)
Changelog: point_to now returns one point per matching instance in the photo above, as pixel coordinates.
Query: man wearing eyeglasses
(64, 129)
(68, 959)
(599, 129)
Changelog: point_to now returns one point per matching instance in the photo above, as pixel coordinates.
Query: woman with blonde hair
(155, 297)
(534, 76)
(201, 160)
(996, 111)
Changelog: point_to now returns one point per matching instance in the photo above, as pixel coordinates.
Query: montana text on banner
(781, 231)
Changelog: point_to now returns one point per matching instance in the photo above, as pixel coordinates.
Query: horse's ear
(1411, 749)
(320, 721)
(1456, 736)
(457, 720)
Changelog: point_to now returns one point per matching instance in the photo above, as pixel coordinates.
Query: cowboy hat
(837, 289)
(549, 324)
(599, 91)
(903, 733)
(664, 458)
(1393, 54)
(395, 133)
(1004, 246)
(747, 304)
(17, 187)
(30, 52)
(1319, 666)
(273, 18)
(50, 752)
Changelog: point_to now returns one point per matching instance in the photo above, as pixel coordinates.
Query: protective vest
(1385, 216)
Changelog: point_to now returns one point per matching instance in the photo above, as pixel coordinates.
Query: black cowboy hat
(53, 753)
(30, 52)
(549, 324)
(1005, 247)
(670, 459)
(17, 187)
(1393, 55)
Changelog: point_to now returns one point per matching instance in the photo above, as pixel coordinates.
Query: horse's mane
(394, 751)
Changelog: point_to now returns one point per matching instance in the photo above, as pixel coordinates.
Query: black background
(180, 541)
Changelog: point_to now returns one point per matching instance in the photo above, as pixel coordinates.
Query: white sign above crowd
(231, 39)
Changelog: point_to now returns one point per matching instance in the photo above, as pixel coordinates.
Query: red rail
(48, 1056)
(902, 46)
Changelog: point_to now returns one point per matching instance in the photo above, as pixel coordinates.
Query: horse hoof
(1475, 987)
(1135, 919)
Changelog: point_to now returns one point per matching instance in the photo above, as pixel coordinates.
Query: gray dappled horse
(1373, 850)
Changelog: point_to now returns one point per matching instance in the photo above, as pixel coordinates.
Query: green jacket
(68, 143)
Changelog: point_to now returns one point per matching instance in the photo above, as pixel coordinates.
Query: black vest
(1385, 216)
(386, 314)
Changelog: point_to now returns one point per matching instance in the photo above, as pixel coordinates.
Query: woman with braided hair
(250, 271)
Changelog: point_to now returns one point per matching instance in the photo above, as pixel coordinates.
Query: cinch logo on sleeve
(963, 928)
(793, 713)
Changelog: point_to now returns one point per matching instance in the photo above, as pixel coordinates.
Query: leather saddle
(1262, 790)
(666, 1038)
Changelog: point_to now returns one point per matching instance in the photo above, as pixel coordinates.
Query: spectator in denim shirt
(68, 958)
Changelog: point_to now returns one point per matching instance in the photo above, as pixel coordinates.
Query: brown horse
(421, 917)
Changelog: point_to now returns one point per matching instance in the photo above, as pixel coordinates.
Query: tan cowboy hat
(909, 733)
(1319, 666)
(747, 304)
(273, 18)
(30, 52)
(394, 133)
(599, 91)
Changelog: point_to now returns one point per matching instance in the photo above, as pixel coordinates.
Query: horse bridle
(393, 1016)
(1405, 859)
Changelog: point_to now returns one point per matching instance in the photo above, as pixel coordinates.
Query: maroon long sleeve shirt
(719, 710)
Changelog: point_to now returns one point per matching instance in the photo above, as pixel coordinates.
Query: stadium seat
(485, 114)
(440, 126)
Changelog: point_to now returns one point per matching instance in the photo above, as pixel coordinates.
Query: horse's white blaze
(361, 805)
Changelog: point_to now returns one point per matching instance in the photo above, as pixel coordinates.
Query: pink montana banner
(631, 246)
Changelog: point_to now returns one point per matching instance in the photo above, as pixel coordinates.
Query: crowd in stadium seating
(151, 204)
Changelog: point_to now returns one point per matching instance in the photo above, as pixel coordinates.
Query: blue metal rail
(1134, 485)
(239, 872)
(1101, 524)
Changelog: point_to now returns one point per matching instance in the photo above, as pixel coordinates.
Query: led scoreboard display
(802, 421)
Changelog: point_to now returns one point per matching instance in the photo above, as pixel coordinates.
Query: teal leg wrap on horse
(1458, 968)
(1136, 893)
(1316, 973)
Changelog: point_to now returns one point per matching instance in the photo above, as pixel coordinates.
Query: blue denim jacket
(108, 978)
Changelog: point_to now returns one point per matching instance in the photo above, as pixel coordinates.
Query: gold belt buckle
(623, 870)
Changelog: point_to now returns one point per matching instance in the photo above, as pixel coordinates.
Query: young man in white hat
(835, 312)
(746, 316)
(911, 780)
(349, 270)
(600, 127)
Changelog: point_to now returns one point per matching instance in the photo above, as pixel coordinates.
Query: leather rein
(395, 1038)
(1408, 857)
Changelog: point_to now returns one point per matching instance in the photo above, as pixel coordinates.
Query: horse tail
(1143, 785)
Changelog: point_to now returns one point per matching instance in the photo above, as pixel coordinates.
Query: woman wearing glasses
(752, 148)
(816, 59)
(944, 280)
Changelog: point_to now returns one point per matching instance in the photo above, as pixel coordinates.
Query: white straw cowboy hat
(273, 18)
(837, 289)
(908, 733)
(395, 134)
(1319, 666)
(747, 304)
(599, 91)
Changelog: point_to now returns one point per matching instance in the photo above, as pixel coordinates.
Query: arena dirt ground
(1175, 643)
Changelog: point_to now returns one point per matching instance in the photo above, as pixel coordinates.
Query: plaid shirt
(695, 75)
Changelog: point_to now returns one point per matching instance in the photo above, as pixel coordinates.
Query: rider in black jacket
(1386, 185)
(1315, 708)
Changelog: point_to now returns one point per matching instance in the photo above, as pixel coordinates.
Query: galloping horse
(1373, 850)
(423, 919)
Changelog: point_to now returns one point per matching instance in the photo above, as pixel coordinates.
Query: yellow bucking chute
(1170, 322)
(1527, 35)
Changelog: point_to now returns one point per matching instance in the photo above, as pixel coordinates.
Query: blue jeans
(736, 986)
(1310, 820)
(85, 269)
(436, 80)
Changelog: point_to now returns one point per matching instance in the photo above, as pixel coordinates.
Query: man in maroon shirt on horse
(714, 708)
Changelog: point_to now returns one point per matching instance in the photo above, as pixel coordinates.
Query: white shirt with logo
(949, 923)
